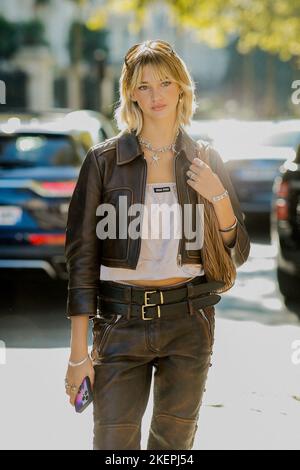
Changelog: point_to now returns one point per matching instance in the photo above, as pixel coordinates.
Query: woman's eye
(163, 83)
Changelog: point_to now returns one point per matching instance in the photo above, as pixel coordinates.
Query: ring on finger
(74, 389)
(191, 174)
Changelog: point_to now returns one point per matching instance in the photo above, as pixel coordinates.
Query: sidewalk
(252, 389)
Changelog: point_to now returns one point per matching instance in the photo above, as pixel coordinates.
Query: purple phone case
(84, 396)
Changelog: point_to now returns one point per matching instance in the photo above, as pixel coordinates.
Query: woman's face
(156, 98)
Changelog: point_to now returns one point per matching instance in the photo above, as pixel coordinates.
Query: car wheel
(288, 285)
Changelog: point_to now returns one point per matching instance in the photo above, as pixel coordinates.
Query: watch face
(84, 395)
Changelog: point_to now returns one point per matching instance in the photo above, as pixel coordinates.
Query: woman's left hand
(203, 180)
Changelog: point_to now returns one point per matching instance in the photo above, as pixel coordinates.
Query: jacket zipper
(106, 332)
(143, 201)
(179, 256)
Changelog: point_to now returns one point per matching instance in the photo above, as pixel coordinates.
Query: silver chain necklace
(155, 158)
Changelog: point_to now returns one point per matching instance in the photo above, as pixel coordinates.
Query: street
(253, 390)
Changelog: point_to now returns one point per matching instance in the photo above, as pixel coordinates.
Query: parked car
(285, 228)
(39, 167)
(251, 165)
(284, 136)
(253, 171)
(93, 126)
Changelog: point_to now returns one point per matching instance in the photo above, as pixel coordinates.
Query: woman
(157, 294)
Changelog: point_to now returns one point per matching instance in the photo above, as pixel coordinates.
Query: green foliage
(270, 25)
(31, 33)
(13, 35)
(83, 42)
(8, 38)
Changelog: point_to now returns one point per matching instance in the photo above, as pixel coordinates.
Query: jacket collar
(128, 147)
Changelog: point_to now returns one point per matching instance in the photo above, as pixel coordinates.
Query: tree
(271, 25)
(14, 35)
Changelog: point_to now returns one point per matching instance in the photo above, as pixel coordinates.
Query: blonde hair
(165, 62)
(217, 262)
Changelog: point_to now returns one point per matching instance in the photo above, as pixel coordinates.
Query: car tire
(288, 285)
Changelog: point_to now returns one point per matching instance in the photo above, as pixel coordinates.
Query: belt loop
(129, 303)
(190, 289)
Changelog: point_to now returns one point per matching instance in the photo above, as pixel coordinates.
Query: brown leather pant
(124, 352)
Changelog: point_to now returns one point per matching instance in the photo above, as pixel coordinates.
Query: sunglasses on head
(135, 46)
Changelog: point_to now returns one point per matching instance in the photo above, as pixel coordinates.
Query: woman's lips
(157, 108)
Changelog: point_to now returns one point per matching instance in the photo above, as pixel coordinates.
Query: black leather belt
(149, 312)
(144, 303)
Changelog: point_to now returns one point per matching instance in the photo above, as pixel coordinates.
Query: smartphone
(84, 396)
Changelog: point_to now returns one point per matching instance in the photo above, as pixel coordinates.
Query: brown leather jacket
(117, 167)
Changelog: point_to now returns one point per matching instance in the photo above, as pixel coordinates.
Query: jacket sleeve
(82, 245)
(240, 248)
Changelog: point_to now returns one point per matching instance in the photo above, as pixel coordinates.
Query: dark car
(39, 167)
(253, 171)
(285, 228)
(251, 163)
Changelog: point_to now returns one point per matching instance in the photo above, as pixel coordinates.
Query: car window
(37, 150)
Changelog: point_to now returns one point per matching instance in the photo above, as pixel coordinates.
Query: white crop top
(158, 255)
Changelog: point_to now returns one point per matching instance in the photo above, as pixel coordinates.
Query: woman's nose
(155, 95)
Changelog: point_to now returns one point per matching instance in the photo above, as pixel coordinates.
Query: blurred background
(60, 64)
(243, 55)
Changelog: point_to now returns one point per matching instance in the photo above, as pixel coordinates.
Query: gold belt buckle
(146, 304)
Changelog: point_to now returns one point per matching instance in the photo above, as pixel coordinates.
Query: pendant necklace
(155, 158)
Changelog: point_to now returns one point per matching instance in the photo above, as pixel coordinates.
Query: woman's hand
(75, 376)
(204, 180)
